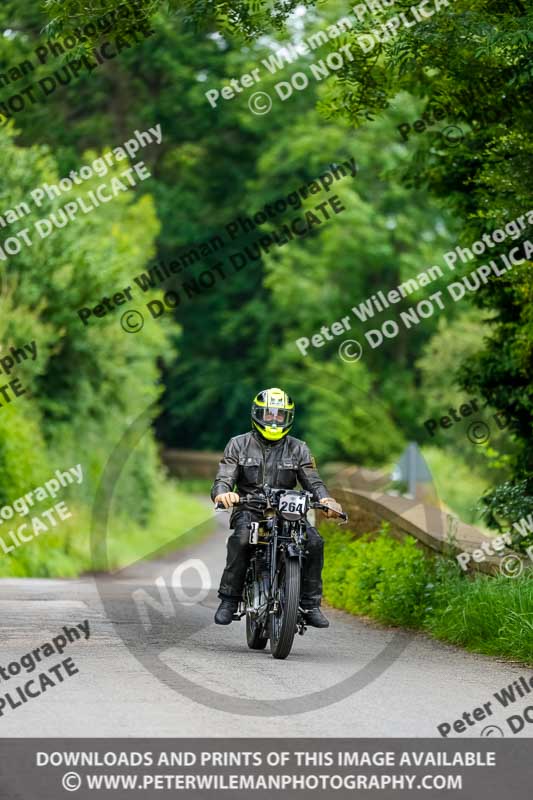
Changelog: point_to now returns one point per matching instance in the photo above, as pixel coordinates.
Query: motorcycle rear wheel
(283, 623)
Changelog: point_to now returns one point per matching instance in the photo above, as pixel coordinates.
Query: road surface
(181, 675)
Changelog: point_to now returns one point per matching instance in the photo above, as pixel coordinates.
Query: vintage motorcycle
(271, 594)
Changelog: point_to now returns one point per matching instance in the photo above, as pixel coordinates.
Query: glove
(335, 507)
(228, 499)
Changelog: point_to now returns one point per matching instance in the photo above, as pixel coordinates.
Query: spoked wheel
(283, 621)
(254, 634)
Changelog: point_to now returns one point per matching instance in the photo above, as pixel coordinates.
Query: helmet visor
(272, 415)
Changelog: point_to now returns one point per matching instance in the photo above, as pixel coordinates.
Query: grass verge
(397, 584)
(178, 519)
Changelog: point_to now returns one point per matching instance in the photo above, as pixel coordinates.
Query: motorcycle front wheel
(283, 621)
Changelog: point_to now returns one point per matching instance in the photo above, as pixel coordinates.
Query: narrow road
(142, 673)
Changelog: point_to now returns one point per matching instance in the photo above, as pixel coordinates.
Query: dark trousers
(238, 554)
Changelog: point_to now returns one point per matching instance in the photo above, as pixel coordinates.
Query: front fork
(292, 550)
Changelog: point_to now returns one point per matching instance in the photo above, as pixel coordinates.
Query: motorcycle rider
(268, 455)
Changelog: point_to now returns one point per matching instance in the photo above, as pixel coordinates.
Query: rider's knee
(241, 536)
(314, 540)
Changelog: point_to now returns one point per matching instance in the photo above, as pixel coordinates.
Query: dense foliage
(397, 584)
(410, 202)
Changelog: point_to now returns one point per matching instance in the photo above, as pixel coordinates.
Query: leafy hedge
(396, 583)
(87, 384)
(64, 551)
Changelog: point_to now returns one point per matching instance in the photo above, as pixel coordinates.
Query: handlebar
(341, 514)
(250, 499)
(247, 498)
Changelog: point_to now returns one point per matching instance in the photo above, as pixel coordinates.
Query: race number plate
(292, 506)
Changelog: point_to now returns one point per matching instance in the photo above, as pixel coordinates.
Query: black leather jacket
(250, 461)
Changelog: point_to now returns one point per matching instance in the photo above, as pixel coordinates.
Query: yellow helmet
(272, 414)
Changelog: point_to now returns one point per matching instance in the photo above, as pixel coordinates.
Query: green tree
(87, 381)
(473, 60)
(217, 164)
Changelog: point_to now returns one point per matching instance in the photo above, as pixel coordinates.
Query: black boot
(225, 612)
(315, 618)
